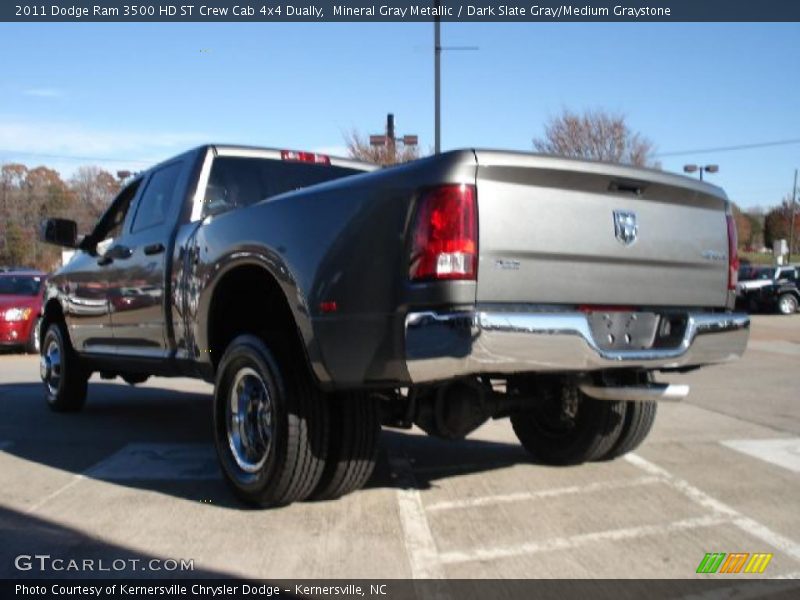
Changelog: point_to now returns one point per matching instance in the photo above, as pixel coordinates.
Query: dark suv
(772, 288)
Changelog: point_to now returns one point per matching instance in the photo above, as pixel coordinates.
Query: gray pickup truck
(325, 298)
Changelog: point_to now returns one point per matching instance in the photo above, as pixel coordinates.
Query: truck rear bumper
(442, 345)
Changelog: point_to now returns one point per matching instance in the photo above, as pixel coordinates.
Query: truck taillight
(445, 234)
(733, 254)
(309, 157)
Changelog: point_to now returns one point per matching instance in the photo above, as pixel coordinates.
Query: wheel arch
(53, 312)
(250, 294)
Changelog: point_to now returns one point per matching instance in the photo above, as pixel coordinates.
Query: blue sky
(142, 92)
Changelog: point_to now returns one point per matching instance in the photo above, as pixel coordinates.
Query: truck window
(239, 181)
(110, 225)
(157, 199)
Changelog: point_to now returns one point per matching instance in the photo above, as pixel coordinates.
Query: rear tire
(65, 379)
(554, 440)
(352, 453)
(787, 304)
(270, 423)
(639, 419)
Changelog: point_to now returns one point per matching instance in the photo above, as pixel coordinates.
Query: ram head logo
(625, 228)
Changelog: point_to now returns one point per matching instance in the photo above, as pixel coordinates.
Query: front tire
(566, 427)
(787, 304)
(65, 379)
(353, 450)
(270, 424)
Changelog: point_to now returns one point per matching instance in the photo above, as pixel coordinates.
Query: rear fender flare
(275, 267)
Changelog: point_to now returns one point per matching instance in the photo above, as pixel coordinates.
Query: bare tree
(777, 225)
(744, 227)
(29, 195)
(95, 188)
(598, 135)
(360, 148)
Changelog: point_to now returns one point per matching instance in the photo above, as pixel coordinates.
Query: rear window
(237, 181)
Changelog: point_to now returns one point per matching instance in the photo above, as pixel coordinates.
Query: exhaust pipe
(651, 392)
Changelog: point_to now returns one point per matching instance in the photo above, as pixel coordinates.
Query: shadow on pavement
(117, 417)
(34, 536)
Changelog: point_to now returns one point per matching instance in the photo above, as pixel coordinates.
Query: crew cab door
(86, 285)
(138, 267)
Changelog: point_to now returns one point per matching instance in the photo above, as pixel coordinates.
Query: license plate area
(624, 330)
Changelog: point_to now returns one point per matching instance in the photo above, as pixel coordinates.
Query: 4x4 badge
(625, 228)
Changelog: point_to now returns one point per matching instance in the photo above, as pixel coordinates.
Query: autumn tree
(94, 189)
(744, 228)
(18, 245)
(28, 195)
(358, 147)
(756, 229)
(597, 135)
(776, 225)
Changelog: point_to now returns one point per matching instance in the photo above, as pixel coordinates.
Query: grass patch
(756, 258)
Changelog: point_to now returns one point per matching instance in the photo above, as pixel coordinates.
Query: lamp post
(791, 218)
(390, 141)
(437, 75)
(701, 169)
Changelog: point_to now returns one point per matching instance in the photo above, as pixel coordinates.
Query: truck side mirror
(61, 232)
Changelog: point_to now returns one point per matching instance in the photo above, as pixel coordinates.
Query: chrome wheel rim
(50, 366)
(250, 420)
(788, 305)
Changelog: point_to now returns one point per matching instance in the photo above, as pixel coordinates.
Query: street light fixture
(701, 169)
(389, 140)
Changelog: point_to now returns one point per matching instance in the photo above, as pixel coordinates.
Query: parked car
(325, 297)
(769, 288)
(21, 295)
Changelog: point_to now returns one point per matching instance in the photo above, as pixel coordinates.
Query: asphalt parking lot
(134, 476)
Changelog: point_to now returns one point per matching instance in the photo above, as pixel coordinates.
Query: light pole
(791, 218)
(390, 141)
(701, 169)
(437, 75)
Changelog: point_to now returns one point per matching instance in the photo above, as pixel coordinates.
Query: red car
(21, 294)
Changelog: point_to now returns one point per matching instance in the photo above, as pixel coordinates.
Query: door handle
(157, 248)
(121, 252)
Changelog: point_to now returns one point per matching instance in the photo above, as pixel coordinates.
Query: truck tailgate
(547, 234)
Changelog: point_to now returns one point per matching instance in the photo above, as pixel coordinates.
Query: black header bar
(209, 11)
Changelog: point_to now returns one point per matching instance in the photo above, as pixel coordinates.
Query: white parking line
(743, 522)
(575, 541)
(542, 494)
(784, 452)
(146, 462)
(42, 501)
(423, 556)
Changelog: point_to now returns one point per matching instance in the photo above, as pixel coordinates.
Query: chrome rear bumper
(445, 345)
